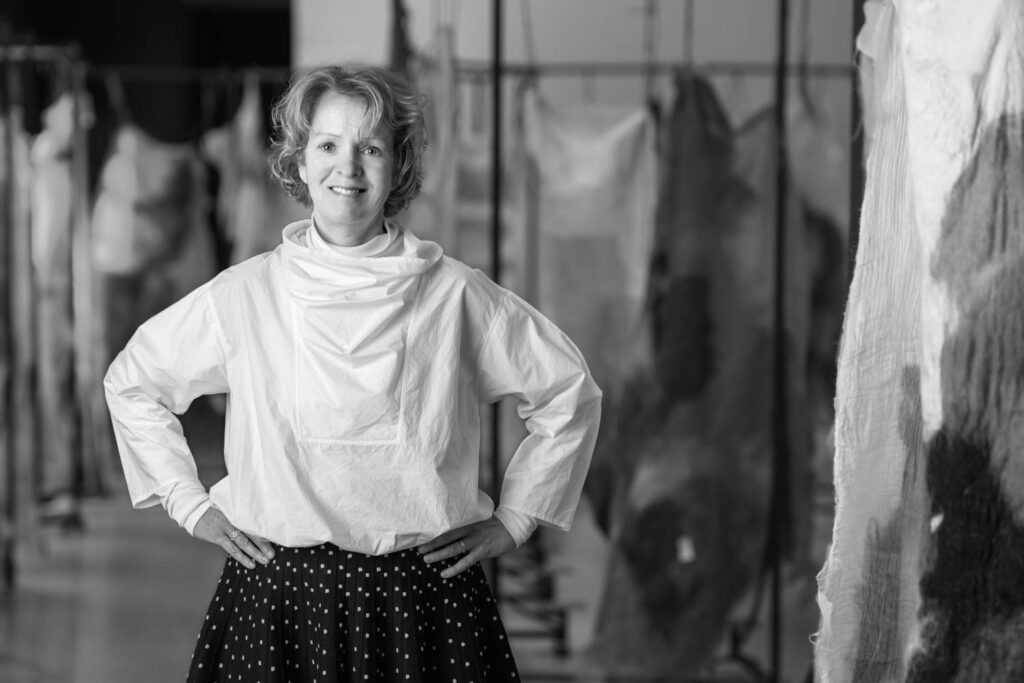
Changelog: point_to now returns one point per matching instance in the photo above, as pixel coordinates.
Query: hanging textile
(597, 189)
(16, 164)
(432, 215)
(817, 156)
(454, 206)
(693, 431)
(922, 582)
(251, 208)
(150, 240)
(52, 210)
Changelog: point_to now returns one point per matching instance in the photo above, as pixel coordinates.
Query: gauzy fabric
(598, 184)
(53, 195)
(355, 389)
(251, 208)
(922, 582)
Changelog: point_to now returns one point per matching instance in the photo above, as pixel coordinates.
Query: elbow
(113, 380)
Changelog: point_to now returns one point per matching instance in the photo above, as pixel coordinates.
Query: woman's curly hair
(390, 100)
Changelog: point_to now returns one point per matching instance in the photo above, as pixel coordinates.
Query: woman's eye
(326, 146)
(372, 151)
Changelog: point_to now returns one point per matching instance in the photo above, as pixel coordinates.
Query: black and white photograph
(497, 341)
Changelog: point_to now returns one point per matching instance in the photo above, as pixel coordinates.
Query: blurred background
(673, 182)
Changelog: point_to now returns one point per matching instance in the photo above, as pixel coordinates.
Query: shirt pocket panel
(350, 369)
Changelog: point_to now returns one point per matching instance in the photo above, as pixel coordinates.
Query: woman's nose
(348, 165)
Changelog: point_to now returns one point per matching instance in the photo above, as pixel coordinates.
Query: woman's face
(347, 166)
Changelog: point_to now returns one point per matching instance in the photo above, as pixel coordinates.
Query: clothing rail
(472, 68)
(766, 70)
(190, 74)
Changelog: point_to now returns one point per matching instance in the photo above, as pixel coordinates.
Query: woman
(355, 358)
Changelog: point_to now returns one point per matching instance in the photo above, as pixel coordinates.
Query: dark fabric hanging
(692, 436)
(21, 359)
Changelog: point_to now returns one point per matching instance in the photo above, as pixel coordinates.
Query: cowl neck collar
(317, 275)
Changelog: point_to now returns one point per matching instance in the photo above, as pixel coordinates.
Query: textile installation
(53, 194)
(151, 244)
(454, 207)
(432, 215)
(689, 441)
(595, 221)
(251, 208)
(923, 580)
(18, 364)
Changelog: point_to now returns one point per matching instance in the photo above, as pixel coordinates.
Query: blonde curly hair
(390, 100)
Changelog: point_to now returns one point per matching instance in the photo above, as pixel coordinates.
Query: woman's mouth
(346, 191)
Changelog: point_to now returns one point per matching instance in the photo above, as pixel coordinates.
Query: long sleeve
(527, 357)
(518, 525)
(173, 358)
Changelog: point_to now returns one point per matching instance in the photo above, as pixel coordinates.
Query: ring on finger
(234, 534)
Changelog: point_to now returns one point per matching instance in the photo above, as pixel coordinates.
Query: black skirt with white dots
(326, 615)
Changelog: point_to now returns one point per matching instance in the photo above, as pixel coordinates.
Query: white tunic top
(354, 391)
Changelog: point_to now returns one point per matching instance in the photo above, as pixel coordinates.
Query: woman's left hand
(474, 542)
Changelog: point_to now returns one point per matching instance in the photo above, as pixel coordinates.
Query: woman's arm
(525, 356)
(173, 358)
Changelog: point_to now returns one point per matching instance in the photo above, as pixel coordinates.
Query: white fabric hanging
(929, 475)
(598, 186)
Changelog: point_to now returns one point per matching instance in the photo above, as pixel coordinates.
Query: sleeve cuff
(190, 522)
(518, 525)
(185, 502)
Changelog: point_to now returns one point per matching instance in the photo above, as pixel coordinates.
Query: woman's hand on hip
(474, 542)
(214, 527)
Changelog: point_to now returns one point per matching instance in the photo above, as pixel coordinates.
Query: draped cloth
(53, 194)
(251, 208)
(18, 360)
(693, 432)
(597, 189)
(433, 213)
(150, 240)
(922, 582)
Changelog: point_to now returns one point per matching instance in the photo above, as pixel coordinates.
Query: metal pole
(83, 311)
(7, 445)
(780, 465)
(496, 105)
(857, 134)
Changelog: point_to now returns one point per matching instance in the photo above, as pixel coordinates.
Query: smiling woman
(356, 358)
(347, 167)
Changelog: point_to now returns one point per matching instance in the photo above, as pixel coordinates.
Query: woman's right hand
(214, 527)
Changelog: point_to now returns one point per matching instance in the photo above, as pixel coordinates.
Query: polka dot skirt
(326, 615)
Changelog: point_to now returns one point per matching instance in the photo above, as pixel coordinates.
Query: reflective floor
(122, 601)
